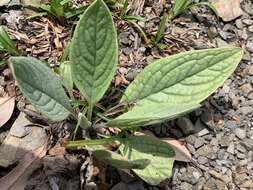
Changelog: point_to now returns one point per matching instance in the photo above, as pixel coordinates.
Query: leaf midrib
(179, 81)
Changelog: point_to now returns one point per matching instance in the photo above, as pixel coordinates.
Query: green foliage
(41, 87)
(165, 89)
(94, 52)
(160, 154)
(178, 7)
(119, 161)
(183, 78)
(6, 44)
(181, 6)
(151, 114)
(61, 9)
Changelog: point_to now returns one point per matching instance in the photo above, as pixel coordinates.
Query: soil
(219, 135)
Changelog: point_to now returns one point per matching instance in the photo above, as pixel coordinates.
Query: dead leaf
(182, 153)
(228, 10)
(17, 178)
(57, 150)
(7, 105)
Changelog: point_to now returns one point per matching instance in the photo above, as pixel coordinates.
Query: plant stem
(89, 111)
(82, 143)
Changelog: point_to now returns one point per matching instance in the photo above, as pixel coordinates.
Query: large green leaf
(41, 87)
(151, 114)
(185, 78)
(93, 52)
(160, 154)
(118, 161)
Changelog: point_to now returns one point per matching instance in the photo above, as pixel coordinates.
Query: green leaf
(118, 161)
(179, 6)
(151, 114)
(185, 78)
(160, 154)
(41, 87)
(6, 43)
(65, 72)
(93, 52)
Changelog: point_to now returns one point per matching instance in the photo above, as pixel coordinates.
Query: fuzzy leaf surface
(41, 87)
(151, 114)
(118, 161)
(160, 154)
(185, 78)
(93, 52)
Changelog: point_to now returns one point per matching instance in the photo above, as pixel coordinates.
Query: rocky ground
(219, 135)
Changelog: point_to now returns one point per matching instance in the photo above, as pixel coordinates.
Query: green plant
(164, 90)
(178, 7)
(6, 45)
(61, 9)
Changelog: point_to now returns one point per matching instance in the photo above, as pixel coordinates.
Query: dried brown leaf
(7, 105)
(228, 10)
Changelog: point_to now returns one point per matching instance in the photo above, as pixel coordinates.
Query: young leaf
(160, 154)
(41, 87)
(93, 52)
(65, 72)
(6, 43)
(118, 161)
(151, 114)
(179, 6)
(185, 78)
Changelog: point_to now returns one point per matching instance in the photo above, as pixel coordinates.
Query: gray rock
(231, 148)
(202, 160)
(185, 125)
(203, 132)
(231, 124)
(241, 148)
(250, 28)
(239, 23)
(221, 43)
(199, 126)
(247, 21)
(246, 110)
(214, 142)
(249, 46)
(240, 133)
(185, 185)
(246, 88)
(241, 156)
(248, 143)
(199, 142)
(224, 141)
(190, 139)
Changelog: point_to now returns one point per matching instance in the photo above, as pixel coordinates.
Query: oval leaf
(93, 52)
(41, 87)
(151, 114)
(160, 154)
(188, 77)
(118, 161)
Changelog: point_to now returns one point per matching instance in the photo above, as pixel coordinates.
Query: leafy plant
(6, 44)
(61, 9)
(164, 90)
(178, 7)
